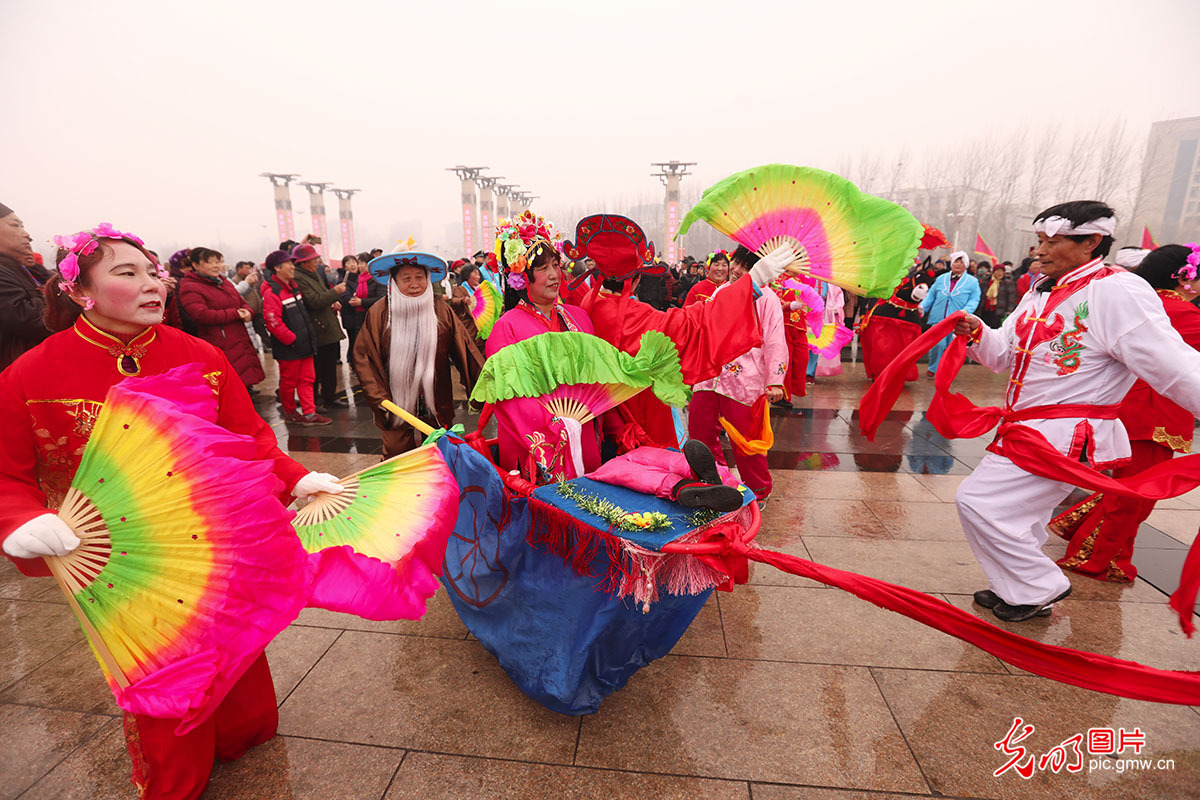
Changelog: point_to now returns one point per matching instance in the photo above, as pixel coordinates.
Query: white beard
(413, 350)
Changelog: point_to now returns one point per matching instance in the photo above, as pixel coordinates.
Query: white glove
(770, 266)
(46, 535)
(315, 483)
(795, 305)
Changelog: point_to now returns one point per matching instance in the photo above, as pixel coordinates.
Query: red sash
(955, 416)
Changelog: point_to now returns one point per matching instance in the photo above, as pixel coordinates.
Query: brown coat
(461, 301)
(371, 356)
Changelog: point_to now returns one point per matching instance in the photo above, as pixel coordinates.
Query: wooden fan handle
(97, 642)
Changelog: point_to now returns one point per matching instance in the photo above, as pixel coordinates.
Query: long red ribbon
(955, 416)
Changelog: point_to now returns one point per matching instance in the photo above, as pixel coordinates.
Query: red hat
(304, 252)
(616, 244)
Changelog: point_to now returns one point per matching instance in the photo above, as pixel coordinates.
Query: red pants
(1102, 528)
(703, 412)
(798, 352)
(297, 376)
(171, 767)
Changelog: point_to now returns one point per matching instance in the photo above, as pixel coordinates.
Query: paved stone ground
(781, 690)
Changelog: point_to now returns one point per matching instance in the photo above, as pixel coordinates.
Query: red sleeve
(273, 316)
(708, 335)
(236, 413)
(693, 295)
(198, 309)
(21, 499)
(1185, 318)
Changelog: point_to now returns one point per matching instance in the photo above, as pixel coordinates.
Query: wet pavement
(783, 689)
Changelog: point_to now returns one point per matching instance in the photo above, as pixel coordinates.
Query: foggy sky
(158, 117)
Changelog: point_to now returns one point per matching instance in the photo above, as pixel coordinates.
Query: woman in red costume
(715, 277)
(106, 304)
(1102, 528)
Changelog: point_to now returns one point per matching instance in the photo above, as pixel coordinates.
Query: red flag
(1148, 242)
(982, 249)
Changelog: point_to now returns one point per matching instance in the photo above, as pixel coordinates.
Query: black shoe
(702, 463)
(340, 402)
(718, 497)
(782, 403)
(1010, 613)
(987, 598)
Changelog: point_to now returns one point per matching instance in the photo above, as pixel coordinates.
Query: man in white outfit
(1074, 346)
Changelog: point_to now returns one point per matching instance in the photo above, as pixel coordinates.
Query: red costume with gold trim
(50, 398)
(1102, 528)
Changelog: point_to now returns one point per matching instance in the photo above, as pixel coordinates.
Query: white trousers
(1004, 511)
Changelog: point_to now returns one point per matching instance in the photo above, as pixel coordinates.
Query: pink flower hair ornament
(84, 243)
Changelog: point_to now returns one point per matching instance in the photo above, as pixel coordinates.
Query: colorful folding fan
(377, 547)
(831, 340)
(487, 308)
(863, 243)
(580, 376)
(188, 565)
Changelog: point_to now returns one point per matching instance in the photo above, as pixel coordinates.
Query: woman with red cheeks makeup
(105, 303)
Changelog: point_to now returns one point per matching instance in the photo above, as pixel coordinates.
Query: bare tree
(1074, 167)
(1112, 160)
(1042, 164)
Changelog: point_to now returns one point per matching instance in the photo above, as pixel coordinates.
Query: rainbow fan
(831, 340)
(188, 565)
(580, 376)
(860, 242)
(488, 307)
(377, 548)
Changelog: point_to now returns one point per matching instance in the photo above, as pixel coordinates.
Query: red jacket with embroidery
(1148, 415)
(49, 400)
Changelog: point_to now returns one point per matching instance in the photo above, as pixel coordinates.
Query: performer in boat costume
(706, 336)
(955, 290)
(895, 323)
(50, 398)
(404, 351)
(737, 398)
(1074, 346)
(1102, 528)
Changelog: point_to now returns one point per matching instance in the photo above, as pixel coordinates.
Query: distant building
(1169, 201)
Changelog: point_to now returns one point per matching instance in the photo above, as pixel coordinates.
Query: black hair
(287, 245)
(744, 256)
(1080, 212)
(364, 257)
(466, 272)
(1159, 267)
(1006, 263)
(241, 264)
(198, 255)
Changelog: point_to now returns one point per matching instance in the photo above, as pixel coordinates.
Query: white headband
(1053, 226)
(1130, 257)
(957, 254)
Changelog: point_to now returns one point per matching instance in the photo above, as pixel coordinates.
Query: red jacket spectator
(214, 308)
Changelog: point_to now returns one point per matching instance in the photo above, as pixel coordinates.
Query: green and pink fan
(579, 376)
(377, 548)
(486, 308)
(188, 565)
(860, 242)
